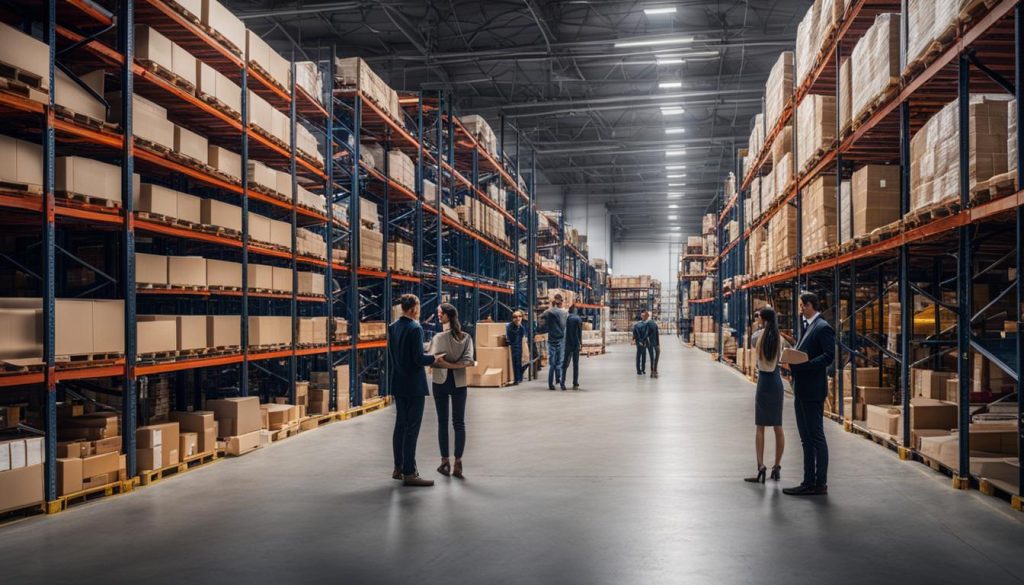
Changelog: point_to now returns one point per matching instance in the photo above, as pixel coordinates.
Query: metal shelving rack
(937, 259)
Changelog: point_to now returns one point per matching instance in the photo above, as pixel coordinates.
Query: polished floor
(629, 481)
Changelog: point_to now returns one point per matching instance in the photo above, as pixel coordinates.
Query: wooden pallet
(64, 502)
(975, 11)
(311, 158)
(929, 213)
(150, 477)
(88, 357)
(219, 105)
(222, 40)
(185, 13)
(169, 76)
(994, 188)
(280, 143)
(928, 56)
(167, 219)
(21, 188)
(88, 199)
(266, 74)
(158, 357)
(84, 119)
(877, 102)
(16, 74)
(153, 146)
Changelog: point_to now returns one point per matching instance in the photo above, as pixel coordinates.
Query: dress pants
(555, 353)
(442, 392)
(572, 355)
(810, 424)
(641, 358)
(408, 417)
(517, 365)
(655, 351)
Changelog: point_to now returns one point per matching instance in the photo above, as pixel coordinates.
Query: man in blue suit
(810, 388)
(640, 339)
(409, 387)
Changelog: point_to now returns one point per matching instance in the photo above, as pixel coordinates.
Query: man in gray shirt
(553, 323)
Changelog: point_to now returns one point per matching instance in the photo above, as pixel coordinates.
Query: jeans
(517, 365)
(810, 424)
(408, 417)
(555, 352)
(458, 398)
(641, 358)
(655, 351)
(573, 356)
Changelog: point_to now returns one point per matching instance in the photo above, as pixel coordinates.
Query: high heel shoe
(761, 470)
(457, 472)
(776, 472)
(445, 468)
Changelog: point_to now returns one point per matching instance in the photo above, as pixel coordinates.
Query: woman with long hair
(769, 396)
(449, 380)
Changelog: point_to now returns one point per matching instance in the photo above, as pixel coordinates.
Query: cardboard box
(311, 283)
(277, 416)
(281, 233)
(242, 444)
(74, 324)
(183, 63)
(150, 45)
(221, 273)
(261, 276)
(189, 208)
(282, 279)
(20, 488)
(269, 330)
(26, 53)
(150, 268)
(930, 383)
(186, 270)
(190, 144)
(884, 419)
(188, 445)
(488, 334)
(65, 450)
(214, 84)
(222, 20)
(926, 413)
(156, 333)
(237, 416)
(21, 331)
(191, 332)
(223, 331)
(69, 94)
(202, 424)
(225, 161)
(100, 464)
(107, 445)
(149, 120)
(84, 176)
(20, 162)
(108, 326)
(220, 214)
(149, 458)
(259, 229)
(69, 476)
(875, 196)
(157, 200)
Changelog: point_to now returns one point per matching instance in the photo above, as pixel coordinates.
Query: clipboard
(793, 356)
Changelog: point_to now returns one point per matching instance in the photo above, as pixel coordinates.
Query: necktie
(804, 330)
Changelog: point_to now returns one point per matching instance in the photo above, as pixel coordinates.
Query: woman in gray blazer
(449, 378)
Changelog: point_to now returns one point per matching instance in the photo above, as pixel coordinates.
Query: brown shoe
(445, 468)
(654, 374)
(457, 471)
(396, 474)
(415, 480)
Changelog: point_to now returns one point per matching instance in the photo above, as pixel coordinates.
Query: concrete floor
(631, 480)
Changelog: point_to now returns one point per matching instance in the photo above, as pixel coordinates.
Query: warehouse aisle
(631, 480)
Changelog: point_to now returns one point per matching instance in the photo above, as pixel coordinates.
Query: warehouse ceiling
(595, 86)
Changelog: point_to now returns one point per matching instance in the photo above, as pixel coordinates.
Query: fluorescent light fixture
(675, 167)
(670, 61)
(654, 42)
(673, 206)
(675, 228)
(675, 152)
(675, 130)
(672, 111)
(670, 84)
(679, 176)
(677, 184)
(674, 194)
(662, 10)
(673, 217)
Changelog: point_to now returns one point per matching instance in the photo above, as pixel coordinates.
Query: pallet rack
(937, 257)
(453, 263)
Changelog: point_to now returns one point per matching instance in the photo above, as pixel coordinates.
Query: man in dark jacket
(810, 387)
(573, 345)
(640, 339)
(552, 322)
(409, 387)
(653, 343)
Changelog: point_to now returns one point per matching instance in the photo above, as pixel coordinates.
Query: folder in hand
(793, 356)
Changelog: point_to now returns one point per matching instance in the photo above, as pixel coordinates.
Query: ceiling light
(678, 176)
(677, 184)
(676, 228)
(663, 10)
(673, 217)
(675, 152)
(673, 206)
(674, 194)
(672, 111)
(675, 167)
(653, 42)
(670, 84)
(669, 61)
(675, 130)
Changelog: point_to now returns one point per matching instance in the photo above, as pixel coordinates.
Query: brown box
(277, 416)
(311, 283)
(100, 464)
(188, 445)
(242, 444)
(20, 488)
(25, 52)
(20, 162)
(261, 276)
(201, 423)
(242, 414)
(108, 326)
(73, 450)
(69, 476)
(487, 334)
(225, 161)
(884, 419)
(156, 333)
(874, 395)
(930, 383)
(223, 331)
(150, 268)
(168, 441)
(221, 273)
(184, 64)
(191, 332)
(875, 196)
(190, 144)
(84, 176)
(157, 200)
(149, 458)
(74, 324)
(149, 120)
(150, 45)
(281, 279)
(269, 330)
(926, 413)
(186, 270)
(188, 208)
(259, 228)
(220, 214)
(149, 437)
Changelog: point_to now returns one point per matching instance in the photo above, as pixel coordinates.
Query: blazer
(456, 352)
(652, 334)
(810, 379)
(405, 348)
(573, 333)
(553, 323)
(640, 333)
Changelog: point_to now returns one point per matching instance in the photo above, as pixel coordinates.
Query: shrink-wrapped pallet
(756, 137)
(768, 193)
(779, 89)
(355, 72)
(929, 21)
(845, 97)
(730, 186)
(845, 218)
(782, 235)
(876, 197)
(309, 77)
(783, 144)
(875, 63)
(783, 175)
(807, 41)
(1011, 143)
(755, 188)
(818, 209)
(816, 127)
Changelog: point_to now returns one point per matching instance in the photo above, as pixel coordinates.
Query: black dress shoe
(563, 387)
(551, 387)
(800, 490)
(575, 386)
(820, 490)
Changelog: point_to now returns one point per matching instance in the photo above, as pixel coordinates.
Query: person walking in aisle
(573, 345)
(455, 347)
(810, 387)
(640, 339)
(768, 346)
(553, 323)
(409, 387)
(653, 342)
(514, 333)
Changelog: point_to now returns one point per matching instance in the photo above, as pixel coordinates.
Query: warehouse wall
(658, 259)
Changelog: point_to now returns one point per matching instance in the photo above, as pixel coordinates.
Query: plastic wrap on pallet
(818, 210)
(782, 238)
(807, 40)
(875, 63)
(1011, 143)
(756, 136)
(875, 196)
(353, 71)
(730, 186)
(310, 79)
(783, 174)
(768, 187)
(845, 211)
(779, 88)
(845, 96)
(783, 144)
(816, 127)
(929, 21)
(755, 189)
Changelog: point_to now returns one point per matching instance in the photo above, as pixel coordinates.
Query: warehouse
(226, 224)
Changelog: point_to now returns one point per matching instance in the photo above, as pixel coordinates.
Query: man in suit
(653, 344)
(552, 322)
(573, 345)
(640, 339)
(409, 387)
(810, 388)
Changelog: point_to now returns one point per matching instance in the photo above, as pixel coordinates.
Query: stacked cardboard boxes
(310, 243)
(845, 97)
(266, 60)
(782, 238)
(217, 88)
(238, 422)
(814, 31)
(402, 169)
(309, 78)
(493, 366)
(371, 248)
(372, 330)
(816, 127)
(354, 72)
(779, 89)
(229, 27)
(83, 327)
(875, 64)
(400, 256)
(927, 21)
(269, 331)
(819, 215)
(875, 196)
(21, 473)
(480, 129)
(157, 446)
